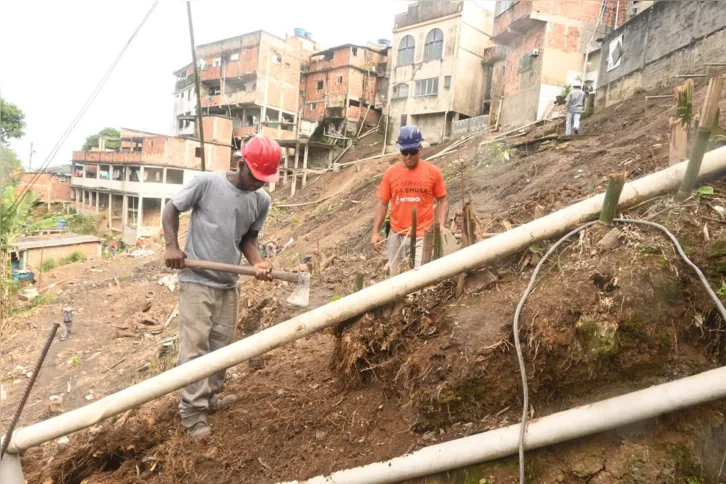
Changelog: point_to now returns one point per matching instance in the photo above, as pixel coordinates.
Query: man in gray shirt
(575, 104)
(228, 213)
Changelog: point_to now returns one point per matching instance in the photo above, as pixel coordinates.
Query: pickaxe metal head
(301, 295)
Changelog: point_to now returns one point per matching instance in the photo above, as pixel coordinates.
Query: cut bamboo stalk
(412, 236)
(706, 124)
(612, 197)
(437, 241)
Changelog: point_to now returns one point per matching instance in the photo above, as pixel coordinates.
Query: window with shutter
(434, 45)
(406, 51)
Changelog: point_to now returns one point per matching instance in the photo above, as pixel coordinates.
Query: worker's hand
(376, 242)
(174, 258)
(263, 271)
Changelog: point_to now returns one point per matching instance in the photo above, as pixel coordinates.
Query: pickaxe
(299, 297)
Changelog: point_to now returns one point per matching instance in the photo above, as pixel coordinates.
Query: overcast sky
(55, 52)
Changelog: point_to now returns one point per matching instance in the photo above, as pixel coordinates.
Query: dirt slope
(434, 367)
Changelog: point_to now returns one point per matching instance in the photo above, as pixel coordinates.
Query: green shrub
(77, 256)
(84, 224)
(47, 265)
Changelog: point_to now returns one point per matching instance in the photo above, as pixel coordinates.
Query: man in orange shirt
(410, 183)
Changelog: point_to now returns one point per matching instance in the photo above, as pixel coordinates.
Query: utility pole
(197, 84)
(30, 158)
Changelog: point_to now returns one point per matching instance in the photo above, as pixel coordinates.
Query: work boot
(221, 403)
(199, 430)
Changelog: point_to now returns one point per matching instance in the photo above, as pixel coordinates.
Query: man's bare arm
(173, 255)
(443, 211)
(250, 249)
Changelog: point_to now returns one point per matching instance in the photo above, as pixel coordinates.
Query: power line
(19, 198)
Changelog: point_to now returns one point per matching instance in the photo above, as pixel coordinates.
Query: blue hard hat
(409, 137)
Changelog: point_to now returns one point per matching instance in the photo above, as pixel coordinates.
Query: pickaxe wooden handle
(237, 269)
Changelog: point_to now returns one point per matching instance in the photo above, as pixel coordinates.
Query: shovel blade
(301, 295)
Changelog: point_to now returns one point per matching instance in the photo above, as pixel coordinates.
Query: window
(277, 59)
(406, 49)
(287, 65)
(198, 152)
(216, 62)
(447, 82)
(320, 86)
(340, 80)
(355, 51)
(526, 63)
(404, 120)
(62, 179)
(503, 5)
(434, 45)
(427, 87)
(313, 107)
(189, 94)
(400, 91)
(213, 90)
(234, 57)
(134, 174)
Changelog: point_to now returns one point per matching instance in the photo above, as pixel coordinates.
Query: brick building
(340, 86)
(436, 71)
(31, 251)
(130, 186)
(51, 185)
(254, 79)
(542, 46)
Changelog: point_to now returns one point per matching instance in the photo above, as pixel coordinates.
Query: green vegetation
(12, 122)
(75, 360)
(76, 256)
(722, 290)
(47, 265)
(92, 141)
(705, 190)
(335, 298)
(11, 170)
(84, 224)
(39, 300)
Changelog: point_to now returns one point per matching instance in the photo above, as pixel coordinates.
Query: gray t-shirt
(222, 215)
(575, 101)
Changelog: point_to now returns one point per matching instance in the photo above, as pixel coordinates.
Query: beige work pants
(207, 321)
(397, 254)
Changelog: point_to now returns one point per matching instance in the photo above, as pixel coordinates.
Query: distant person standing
(575, 104)
(67, 323)
(412, 182)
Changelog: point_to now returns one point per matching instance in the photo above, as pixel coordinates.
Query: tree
(12, 122)
(11, 170)
(92, 141)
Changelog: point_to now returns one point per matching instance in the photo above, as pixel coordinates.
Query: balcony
(245, 131)
(107, 156)
(184, 83)
(240, 97)
(514, 22)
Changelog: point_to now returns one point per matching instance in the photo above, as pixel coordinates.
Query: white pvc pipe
(385, 292)
(559, 427)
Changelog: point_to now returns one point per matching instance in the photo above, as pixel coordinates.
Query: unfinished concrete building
(254, 79)
(340, 86)
(130, 186)
(436, 70)
(544, 46)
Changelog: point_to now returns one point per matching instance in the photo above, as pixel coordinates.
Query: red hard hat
(262, 155)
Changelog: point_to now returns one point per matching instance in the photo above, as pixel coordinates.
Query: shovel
(299, 297)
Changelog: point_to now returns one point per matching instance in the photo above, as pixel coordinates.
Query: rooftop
(43, 241)
(348, 46)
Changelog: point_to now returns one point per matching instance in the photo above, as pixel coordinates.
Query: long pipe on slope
(385, 292)
(552, 429)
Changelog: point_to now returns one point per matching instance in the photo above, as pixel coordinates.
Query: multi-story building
(51, 185)
(544, 46)
(254, 79)
(340, 86)
(130, 186)
(436, 70)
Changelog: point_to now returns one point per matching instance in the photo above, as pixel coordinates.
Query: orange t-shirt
(406, 189)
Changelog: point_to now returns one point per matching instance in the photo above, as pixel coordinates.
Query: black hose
(26, 392)
(530, 286)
